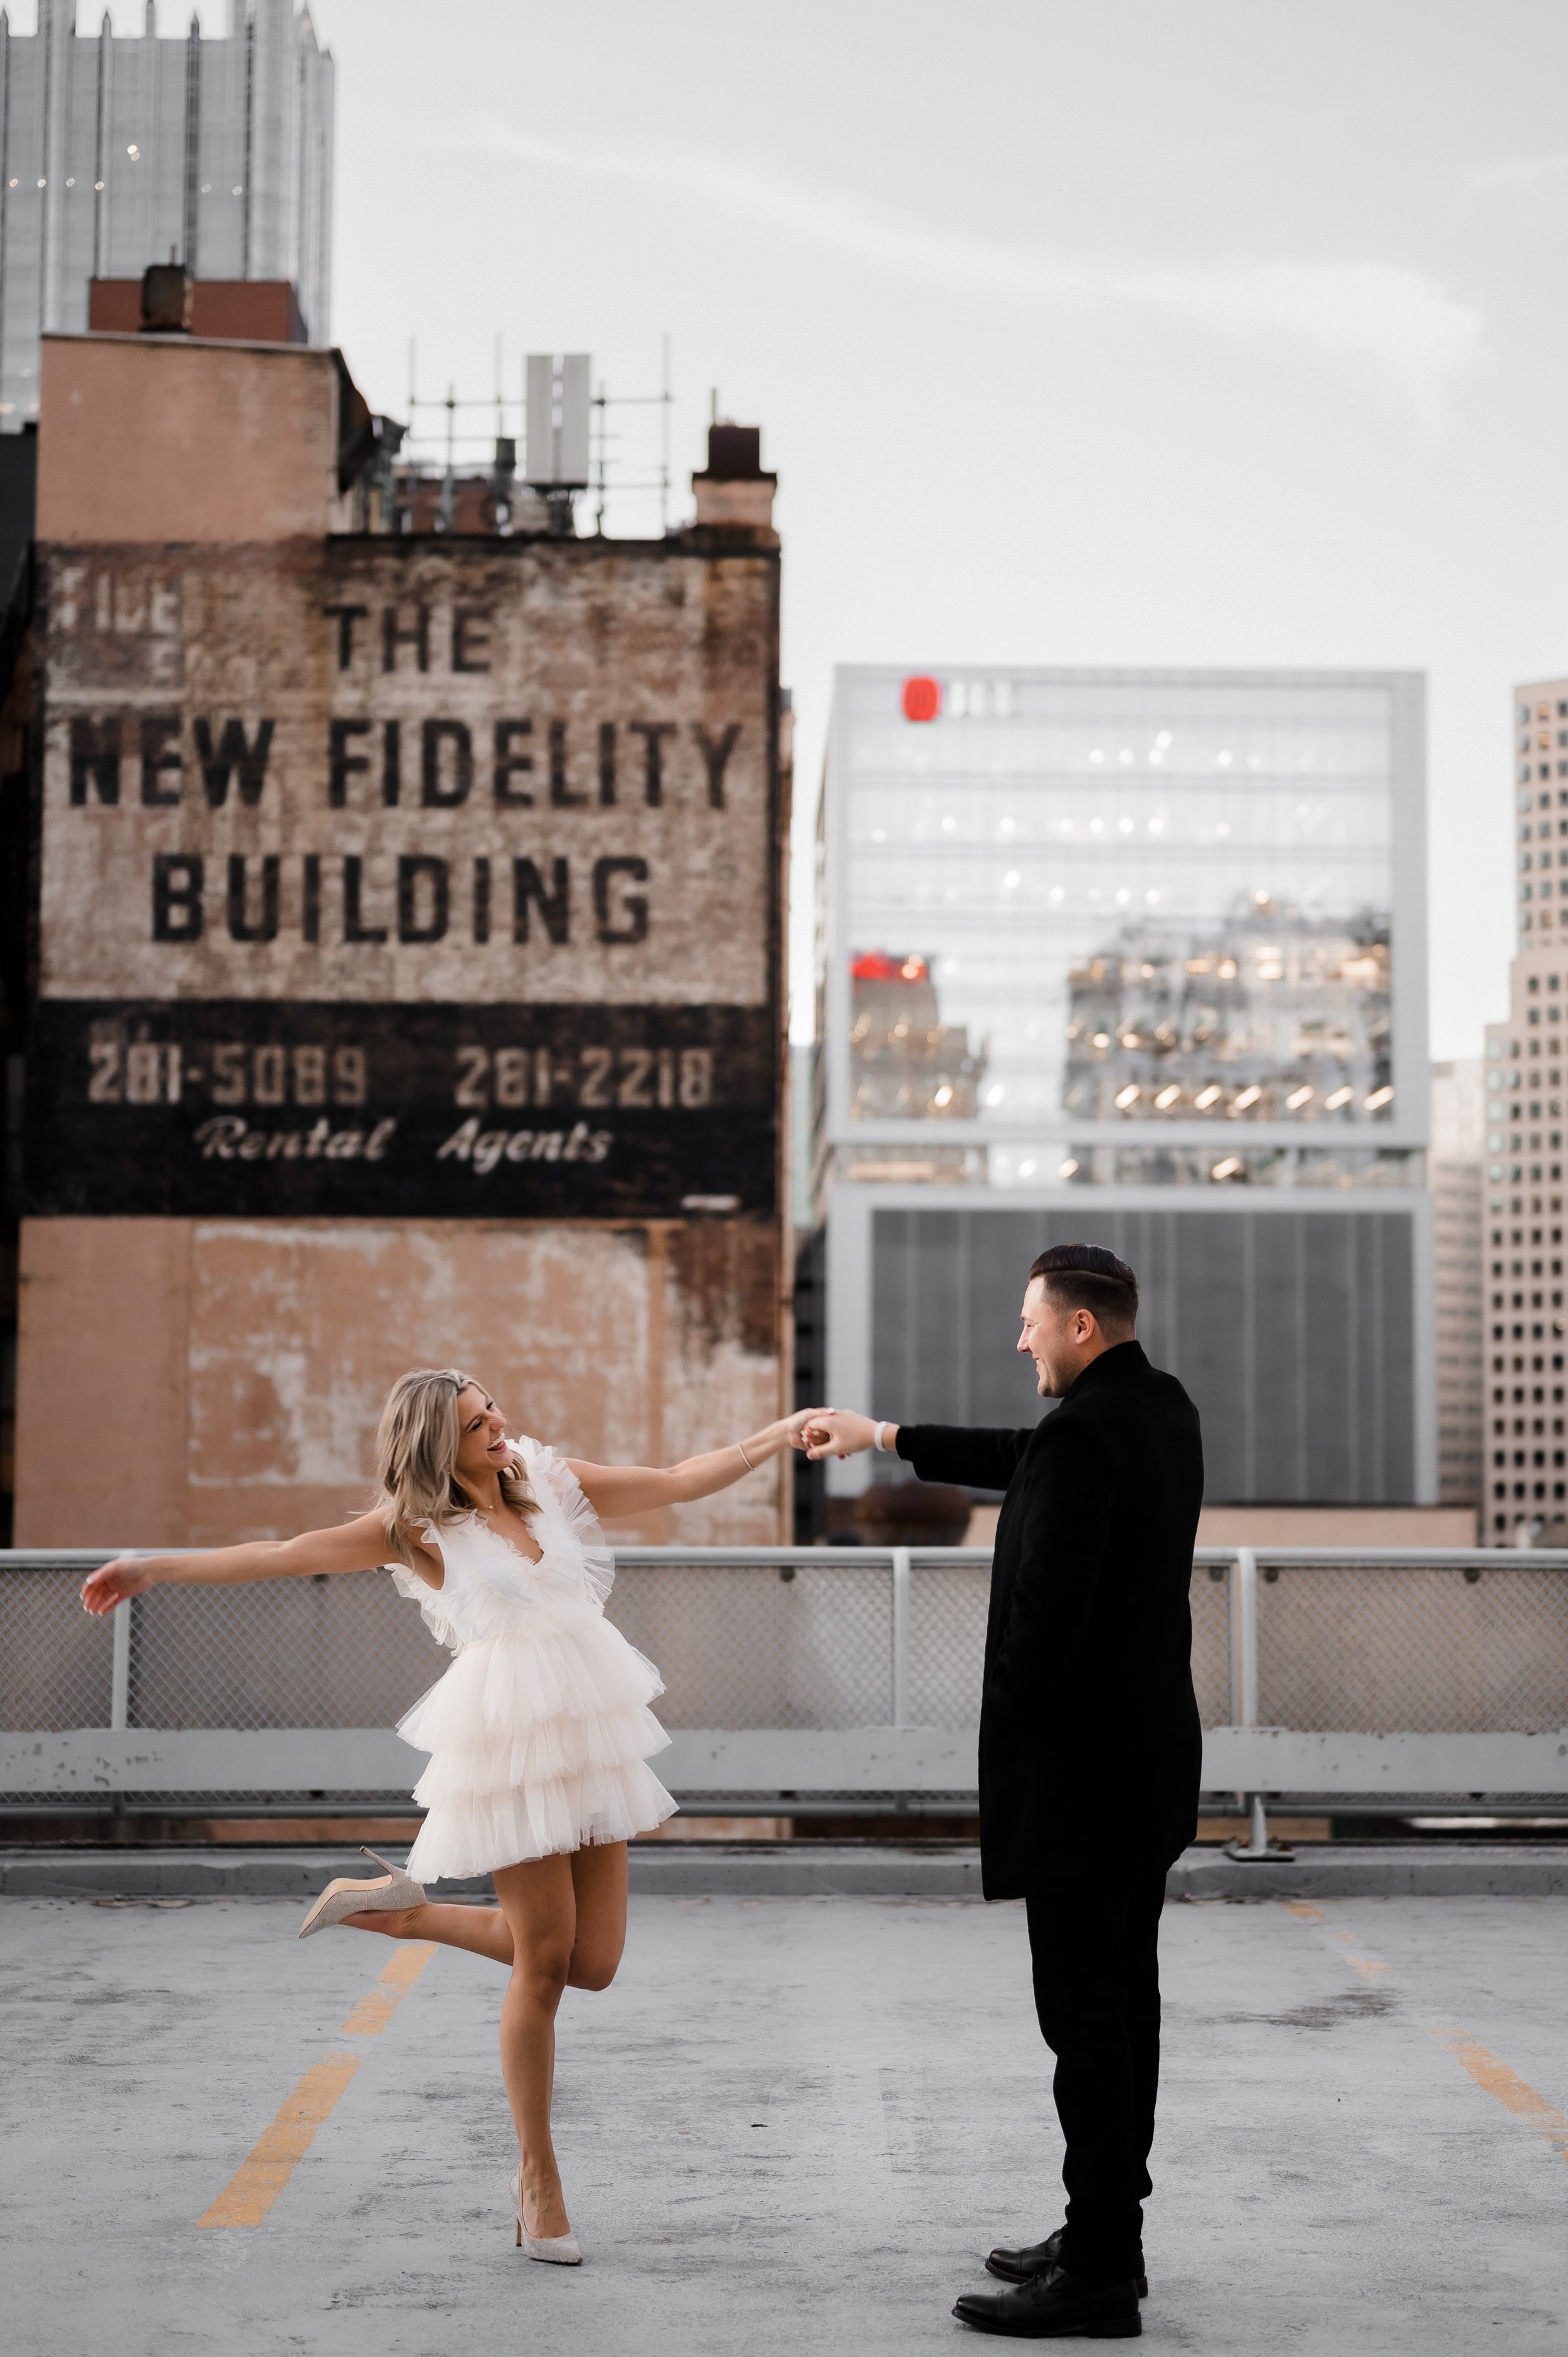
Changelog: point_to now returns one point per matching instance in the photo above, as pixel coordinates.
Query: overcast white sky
(1094, 331)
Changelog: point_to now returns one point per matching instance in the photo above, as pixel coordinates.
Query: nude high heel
(556, 2250)
(342, 1896)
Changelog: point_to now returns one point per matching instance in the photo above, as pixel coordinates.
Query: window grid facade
(120, 150)
(1524, 1221)
(1458, 1179)
(1540, 749)
(1124, 927)
(1136, 953)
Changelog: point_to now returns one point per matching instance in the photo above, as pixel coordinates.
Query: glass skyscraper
(1100, 946)
(1141, 923)
(117, 152)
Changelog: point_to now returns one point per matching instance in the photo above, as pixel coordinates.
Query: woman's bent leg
(540, 1905)
(482, 1930)
(598, 1882)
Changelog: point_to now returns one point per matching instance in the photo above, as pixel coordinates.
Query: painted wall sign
(408, 876)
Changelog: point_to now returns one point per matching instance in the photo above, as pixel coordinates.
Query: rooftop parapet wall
(160, 439)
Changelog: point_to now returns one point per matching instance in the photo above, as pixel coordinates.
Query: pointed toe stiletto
(391, 1890)
(556, 2250)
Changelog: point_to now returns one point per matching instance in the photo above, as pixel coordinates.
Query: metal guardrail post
(900, 1636)
(120, 1667)
(1244, 1699)
(1245, 1639)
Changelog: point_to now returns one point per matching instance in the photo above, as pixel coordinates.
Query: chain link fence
(794, 1644)
(806, 1641)
(1459, 1648)
(56, 1664)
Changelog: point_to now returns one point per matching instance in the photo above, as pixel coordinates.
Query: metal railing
(800, 1680)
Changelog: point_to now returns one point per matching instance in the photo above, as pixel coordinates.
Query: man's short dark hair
(1087, 1276)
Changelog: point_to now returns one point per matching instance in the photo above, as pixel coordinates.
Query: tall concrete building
(1458, 1148)
(406, 983)
(1522, 1216)
(1138, 957)
(117, 152)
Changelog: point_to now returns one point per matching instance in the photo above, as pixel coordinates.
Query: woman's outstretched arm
(359, 1546)
(632, 1489)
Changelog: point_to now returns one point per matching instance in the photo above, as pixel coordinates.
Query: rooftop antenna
(665, 397)
(447, 515)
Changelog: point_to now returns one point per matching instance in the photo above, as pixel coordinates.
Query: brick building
(405, 976)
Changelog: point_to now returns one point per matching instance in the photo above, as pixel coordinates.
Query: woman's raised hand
(113, 1582)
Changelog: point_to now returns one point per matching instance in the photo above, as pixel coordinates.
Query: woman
(539, 1733)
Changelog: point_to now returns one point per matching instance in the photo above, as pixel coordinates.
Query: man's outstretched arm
(979, 1458)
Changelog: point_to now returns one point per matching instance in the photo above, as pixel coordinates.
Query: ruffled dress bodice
(539, 1731)
(490, 1585)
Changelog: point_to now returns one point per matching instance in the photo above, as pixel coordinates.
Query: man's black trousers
(1093, 1938)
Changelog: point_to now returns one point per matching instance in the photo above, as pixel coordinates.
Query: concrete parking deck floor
(794, 2125)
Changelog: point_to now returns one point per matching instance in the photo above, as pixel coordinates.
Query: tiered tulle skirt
(538, 1740)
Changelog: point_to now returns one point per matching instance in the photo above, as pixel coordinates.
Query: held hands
(836, 1432)
(110, 1585)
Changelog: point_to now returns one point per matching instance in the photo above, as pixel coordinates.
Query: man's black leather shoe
(1039, 2258)
(1052, 2307)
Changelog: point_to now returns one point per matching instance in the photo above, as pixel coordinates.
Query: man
(1090, 1747)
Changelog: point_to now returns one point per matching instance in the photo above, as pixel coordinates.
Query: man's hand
(839, 1432)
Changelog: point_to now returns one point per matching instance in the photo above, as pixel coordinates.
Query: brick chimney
(732, 491)
(166, 293)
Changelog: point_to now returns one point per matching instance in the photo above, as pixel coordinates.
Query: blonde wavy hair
(416, 1454)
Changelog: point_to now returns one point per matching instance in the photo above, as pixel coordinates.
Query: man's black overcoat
(1087, 1709)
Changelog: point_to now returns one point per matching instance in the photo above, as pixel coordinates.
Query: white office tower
(1135, 958)
(119, 152)
(1526, 1322)
(1458, 1145)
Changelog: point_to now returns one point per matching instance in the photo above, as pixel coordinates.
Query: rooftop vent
(167, 291)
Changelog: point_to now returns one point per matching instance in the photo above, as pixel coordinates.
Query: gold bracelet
(746, 1459)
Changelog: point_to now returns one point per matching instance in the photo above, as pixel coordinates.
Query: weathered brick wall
(190, 1383)
(409, 992)
(385, 875)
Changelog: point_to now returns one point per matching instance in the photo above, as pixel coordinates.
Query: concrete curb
(809, 1870)
(1401, 1870)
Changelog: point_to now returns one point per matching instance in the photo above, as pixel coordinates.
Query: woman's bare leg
(481, 1931)
(561, 1924)
(598, 1884)
(540, 1905)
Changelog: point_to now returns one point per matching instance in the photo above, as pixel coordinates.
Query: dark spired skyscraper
(119, 152)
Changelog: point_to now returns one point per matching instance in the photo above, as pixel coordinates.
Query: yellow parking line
(1372, 1968)
(289, 2134)
(1508, 2088)
(266, 2170)
(376, 2008)
(1513, 2093)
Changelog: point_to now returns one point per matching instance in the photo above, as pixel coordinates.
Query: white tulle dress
(540, 1733)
